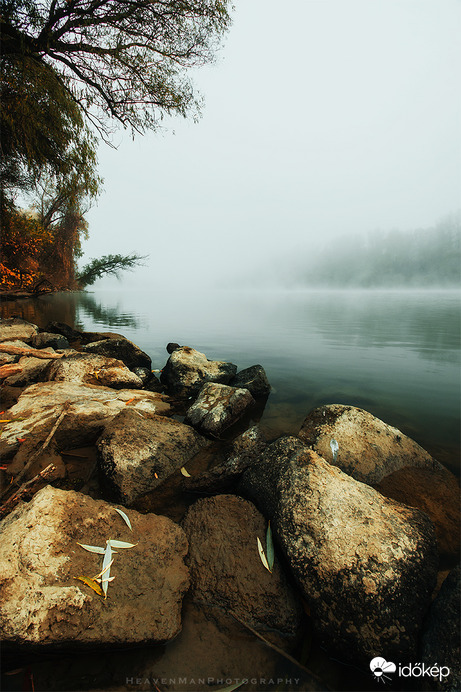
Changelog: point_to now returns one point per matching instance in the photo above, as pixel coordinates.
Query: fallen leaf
(21, 439)
(261, 554)
(130, 400)
(184, 472)
(92, 548)
(106, 563)
(7, 420)
(124, 517)
(230, 688)
(120, 544)
(269, 547)
(92, 584)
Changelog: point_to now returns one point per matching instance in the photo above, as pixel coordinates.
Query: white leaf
(92, 548)
(261, 554)
(124, 517)
(106, 567)
(269, 547)
(121, 544)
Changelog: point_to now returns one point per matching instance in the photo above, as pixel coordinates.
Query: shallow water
(394, 353)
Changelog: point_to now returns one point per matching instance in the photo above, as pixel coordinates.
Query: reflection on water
(393, 353)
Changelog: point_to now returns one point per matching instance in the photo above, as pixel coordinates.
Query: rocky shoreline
(97, 452)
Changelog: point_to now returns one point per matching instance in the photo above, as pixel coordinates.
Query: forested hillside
(429, 257)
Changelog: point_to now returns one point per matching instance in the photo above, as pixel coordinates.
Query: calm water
(395, 354)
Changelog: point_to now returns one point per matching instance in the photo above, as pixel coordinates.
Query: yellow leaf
(92, 584)
(185, 472)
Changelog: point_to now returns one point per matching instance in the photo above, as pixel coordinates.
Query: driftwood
(9, 369)
(28, 489)
(35, 352)
(37, 453)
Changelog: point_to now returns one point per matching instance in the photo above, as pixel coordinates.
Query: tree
(109, 264)
(121, 60)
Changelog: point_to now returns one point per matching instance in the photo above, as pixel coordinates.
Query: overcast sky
(321, 117)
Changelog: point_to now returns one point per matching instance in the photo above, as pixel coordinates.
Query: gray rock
(366, 565)
(87, 409)
(254, 379)
(14, 328)
(43, 603)
(368, 450)
(224, 475)
(137, 453)
(93, 369)
(226, 569)
(33, 370)
(217, 407)
(63, 329)
(187, 370)
(441, 636)
(123, 350)
(44, 339)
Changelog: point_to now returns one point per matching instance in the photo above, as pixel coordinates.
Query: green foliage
(109, 264)
(120, 59)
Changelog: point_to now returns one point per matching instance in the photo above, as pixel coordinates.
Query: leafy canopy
(119, 59)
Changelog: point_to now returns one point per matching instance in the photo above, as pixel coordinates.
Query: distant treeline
(424, 257)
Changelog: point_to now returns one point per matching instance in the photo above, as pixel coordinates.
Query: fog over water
(322, 119)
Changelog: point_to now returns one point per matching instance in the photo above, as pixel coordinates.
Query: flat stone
(369, 449)
(93, 369)
(187, 370)
(217, 407)
(14, 328)
(365, 564)
(43, 603)
(226, 569)
(137, 454)
(87, 409)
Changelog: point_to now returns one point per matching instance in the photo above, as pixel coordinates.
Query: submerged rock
(368, 449)
(226, 569)
(254, 379)
(138, 453)
(217, 407)
(87, 409)
(43, 603)
(187, 370)
(365, 564)
(93, 369)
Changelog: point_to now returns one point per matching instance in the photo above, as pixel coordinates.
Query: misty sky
(321, 118)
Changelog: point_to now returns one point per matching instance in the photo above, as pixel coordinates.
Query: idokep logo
(381, 668)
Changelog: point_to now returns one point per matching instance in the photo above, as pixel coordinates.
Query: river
(393, 353)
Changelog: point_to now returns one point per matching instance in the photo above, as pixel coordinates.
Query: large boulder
(43, 603)
(254, 379)
(435, 492)
(230, 465)
(441, 637)
(368, 449)
(137, 454)
(187, 370)
(217, 407)
(365, 564)
(15, 328)
(32, 370)
(93, 369)
(86, 409)
(122, 349)
(226, 569)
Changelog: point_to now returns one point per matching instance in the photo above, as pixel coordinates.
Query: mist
(323, 123)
